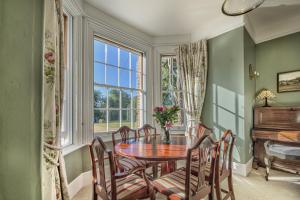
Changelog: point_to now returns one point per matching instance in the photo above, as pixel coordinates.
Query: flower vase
(166, 135)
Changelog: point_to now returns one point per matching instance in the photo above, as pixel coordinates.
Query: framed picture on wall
(288, 81)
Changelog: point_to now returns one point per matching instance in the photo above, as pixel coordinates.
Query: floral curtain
(192, 68)
(54, 182)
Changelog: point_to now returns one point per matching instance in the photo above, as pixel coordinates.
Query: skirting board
(85, 178)
(242, 169)
(80, 182)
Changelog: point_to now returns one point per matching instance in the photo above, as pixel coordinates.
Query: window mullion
(105, 77)
(119, 84)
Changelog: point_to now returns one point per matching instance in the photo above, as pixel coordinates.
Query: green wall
(228, 89)
(77, 162)
(249, 92)
(278, 55)
(20, 99)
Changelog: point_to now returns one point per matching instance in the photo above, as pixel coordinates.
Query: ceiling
(164, 17)
(275, 20)
(179, 17)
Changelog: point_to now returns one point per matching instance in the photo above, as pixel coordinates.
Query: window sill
(71, 148)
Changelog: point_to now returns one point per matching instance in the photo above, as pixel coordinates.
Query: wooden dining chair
(124, 163)
(199, 130)
(121, 186)
(182, 184)
(224, 165)
(146, 131)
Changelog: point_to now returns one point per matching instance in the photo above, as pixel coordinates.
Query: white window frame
(141, 90)
(174, 128)
(68, 87)
(127, 38)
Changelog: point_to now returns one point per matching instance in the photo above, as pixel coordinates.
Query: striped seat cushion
(173, 184)
(129, 164)
(127, 186)
(194, 170)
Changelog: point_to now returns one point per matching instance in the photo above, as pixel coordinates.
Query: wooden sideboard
(280, 124)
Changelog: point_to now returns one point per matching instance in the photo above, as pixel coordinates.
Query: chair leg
(211, 194)
(95, 196)
(230, 187)
(218, 190)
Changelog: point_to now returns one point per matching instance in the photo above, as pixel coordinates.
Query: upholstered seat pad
(283, 151)
(173, 184)
(127, 186)
(129, 164)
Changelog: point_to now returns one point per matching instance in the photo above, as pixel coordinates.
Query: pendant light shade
(239, 7)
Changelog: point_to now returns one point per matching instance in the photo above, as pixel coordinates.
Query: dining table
(156, 149)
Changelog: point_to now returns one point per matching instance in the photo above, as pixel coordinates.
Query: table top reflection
(155, 149)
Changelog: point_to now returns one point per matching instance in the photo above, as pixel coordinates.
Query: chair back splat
(126, 134)
(199, 130)
(147, 130)
(98, 151)
(225, 152)
(224, 165)
(206, 148)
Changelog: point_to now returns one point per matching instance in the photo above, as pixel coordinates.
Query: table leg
(168, 167)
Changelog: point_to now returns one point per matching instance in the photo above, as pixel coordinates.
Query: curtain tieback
(48, 157)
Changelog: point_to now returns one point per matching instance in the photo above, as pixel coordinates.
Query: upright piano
(278, 124)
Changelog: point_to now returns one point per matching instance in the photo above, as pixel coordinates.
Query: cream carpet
(282, 186)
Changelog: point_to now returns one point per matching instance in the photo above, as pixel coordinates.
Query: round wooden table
(154, 149)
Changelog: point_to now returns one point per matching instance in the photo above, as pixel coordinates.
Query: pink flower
(156, 109)
(163, 108)
(168, 125)
(50, 57)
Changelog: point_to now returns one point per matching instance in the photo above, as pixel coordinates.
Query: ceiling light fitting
(239, 7)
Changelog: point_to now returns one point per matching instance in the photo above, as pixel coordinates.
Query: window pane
(112, 55)
(126, 98)
(137, 116)
(136, 100)
(174, 75)
(99, 73)
(124, 78)
(112, 76)
(135, 62)
(164, 74)
(100, 121)
(100, 99)
(114, 120)
(167, 99)
(124, 58)
(114, 98)
(126, 118)
(136, 79)
(99, 51)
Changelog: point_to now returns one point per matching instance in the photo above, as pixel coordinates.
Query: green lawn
(112, 126)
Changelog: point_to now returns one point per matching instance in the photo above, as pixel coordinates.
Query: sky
(112, 63)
